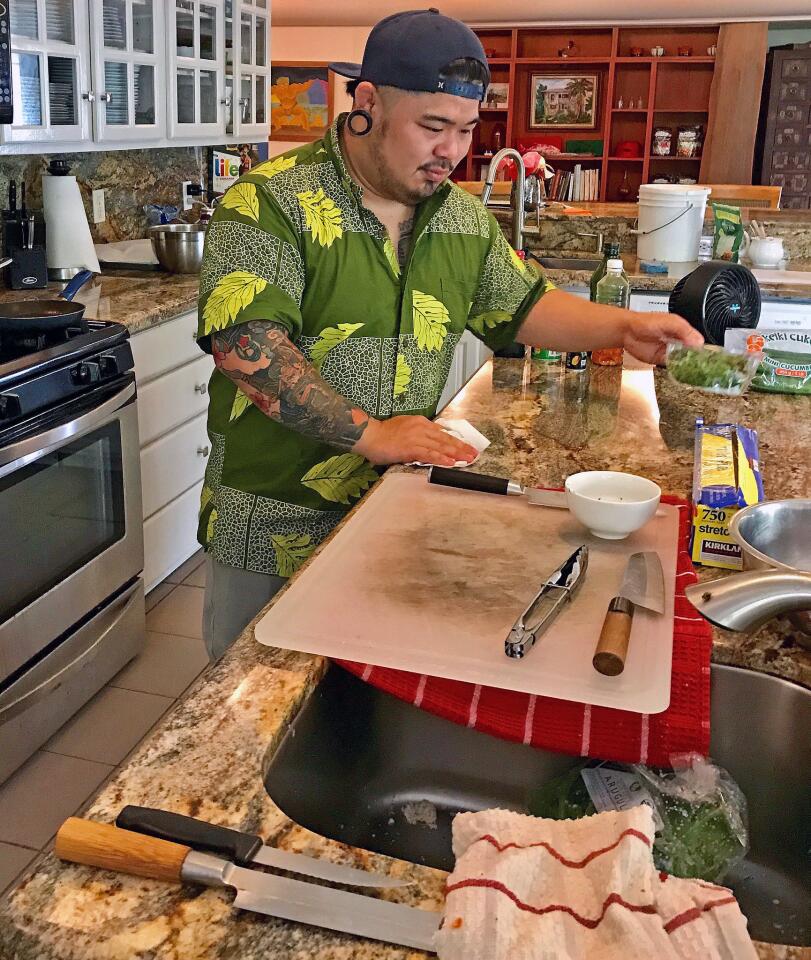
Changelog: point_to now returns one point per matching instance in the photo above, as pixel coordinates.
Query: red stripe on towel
(576, 864)
(588, 922)
(694, 913)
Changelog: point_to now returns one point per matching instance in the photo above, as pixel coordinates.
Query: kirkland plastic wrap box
(726, 478)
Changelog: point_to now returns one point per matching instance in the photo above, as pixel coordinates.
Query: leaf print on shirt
(521, 264)
(270, 168)
(233, 293)
(488, 321)
(391, 256)
(292, 549)
(431, 319)
(212, 520)
(402, 376)
(205, 497)
(322, 216)
(243, 199)
(330, 337)
(241, 403)
(341, 477)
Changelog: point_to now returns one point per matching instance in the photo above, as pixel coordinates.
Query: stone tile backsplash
(130, 179)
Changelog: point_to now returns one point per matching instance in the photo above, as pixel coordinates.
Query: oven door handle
(16, 455)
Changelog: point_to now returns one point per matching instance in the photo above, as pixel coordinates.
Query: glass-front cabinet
(197, 68)
(50, 60)
(128, 69)
(117, 71)
(247, 68)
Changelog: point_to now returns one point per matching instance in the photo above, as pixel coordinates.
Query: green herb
(710, 369)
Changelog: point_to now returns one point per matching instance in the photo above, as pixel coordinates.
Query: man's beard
(389, 185)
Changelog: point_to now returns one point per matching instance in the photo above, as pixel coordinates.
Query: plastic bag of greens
(727, 232)
(698, 809)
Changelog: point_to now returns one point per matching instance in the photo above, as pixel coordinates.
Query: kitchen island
(207, 757)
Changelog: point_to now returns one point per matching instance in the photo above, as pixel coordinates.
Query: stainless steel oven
(71, 593)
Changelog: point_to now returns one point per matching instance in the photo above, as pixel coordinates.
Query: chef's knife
(643, 585)
(559, 588)
(243, 849)
(482, 483)
(103, 845)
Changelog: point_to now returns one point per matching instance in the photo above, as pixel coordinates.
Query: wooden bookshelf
(675, 91)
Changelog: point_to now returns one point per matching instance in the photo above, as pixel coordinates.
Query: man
(336, 283)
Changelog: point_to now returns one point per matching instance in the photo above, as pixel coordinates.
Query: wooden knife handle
(612, 647)
(103, 845)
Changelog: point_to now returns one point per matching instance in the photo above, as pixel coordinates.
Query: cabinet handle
(106, 97)
(200, 388)
(226, 101)
(89, 96)
(204, 451)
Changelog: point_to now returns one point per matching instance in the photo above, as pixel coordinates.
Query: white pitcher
(764, 252)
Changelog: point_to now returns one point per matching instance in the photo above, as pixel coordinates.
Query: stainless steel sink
(569, 263)
(358, 765)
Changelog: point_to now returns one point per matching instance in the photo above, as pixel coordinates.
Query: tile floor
(89, 748)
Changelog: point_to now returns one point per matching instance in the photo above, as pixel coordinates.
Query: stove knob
(85, 373)
(10, 406)
(108, 365)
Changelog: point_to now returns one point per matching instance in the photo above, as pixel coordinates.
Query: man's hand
(647, 334)
(405, 439)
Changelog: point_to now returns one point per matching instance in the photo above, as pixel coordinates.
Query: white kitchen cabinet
(95, 74)
(50, 72)
(470, 355)
(128, 46)
(196, 67)
(172, 378)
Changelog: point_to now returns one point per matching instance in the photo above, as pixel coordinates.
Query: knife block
(28, 270)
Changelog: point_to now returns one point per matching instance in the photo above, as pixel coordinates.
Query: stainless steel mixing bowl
(774, 535)
(179, 246)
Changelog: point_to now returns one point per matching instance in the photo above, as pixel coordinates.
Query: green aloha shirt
(291, 242)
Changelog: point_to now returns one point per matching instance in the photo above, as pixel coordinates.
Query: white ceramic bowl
(612, 505)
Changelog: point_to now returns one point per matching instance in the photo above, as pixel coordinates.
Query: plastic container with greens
(711, 369)
(699, 810)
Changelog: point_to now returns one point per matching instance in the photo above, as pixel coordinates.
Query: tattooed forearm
(263, 362)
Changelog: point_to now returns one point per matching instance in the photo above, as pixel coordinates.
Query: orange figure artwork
(299, 101)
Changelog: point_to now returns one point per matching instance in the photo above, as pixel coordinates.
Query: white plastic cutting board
(430, 579)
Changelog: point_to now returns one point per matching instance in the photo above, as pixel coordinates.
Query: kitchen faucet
(517, 194)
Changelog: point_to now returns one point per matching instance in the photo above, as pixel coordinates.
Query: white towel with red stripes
(526, 888)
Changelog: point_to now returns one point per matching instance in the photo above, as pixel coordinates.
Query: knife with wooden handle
(103, 845)
(643, 585)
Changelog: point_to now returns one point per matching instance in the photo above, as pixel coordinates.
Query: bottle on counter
(615, 291)
(611, 250)
(546, 356)
(577, 360)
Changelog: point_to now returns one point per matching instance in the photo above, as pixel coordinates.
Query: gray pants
(233, 598)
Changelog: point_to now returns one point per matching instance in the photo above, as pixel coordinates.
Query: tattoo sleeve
(265, 364)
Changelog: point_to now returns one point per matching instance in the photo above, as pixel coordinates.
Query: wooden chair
(745, 195)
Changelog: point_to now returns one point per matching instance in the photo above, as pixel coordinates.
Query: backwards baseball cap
(409, 50)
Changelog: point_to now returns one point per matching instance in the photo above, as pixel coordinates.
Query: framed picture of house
(563, 101)
(497, 96)
(300, 101)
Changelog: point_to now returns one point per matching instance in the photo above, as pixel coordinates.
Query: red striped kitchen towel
(576, 728)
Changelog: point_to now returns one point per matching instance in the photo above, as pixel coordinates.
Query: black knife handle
(467, 481)
(239, 848)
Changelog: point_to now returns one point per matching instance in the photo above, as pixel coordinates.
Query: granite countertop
(207, 756)
(139, 299)
(796, 289)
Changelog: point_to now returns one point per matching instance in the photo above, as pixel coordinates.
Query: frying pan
(43, 316)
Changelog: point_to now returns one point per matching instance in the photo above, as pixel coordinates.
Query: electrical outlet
(185, 196)
(99, 213)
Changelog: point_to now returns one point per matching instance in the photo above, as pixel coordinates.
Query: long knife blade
(241, 848)
(103, 845)
(644, 583)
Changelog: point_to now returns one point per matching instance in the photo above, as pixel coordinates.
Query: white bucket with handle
(671, 219)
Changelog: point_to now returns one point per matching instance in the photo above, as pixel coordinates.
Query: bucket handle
(645, 233)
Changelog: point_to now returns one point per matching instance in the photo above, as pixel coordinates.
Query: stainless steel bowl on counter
(775, 540)
(179, 246)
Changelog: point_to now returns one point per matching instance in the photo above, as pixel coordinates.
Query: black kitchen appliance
(716, 296)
